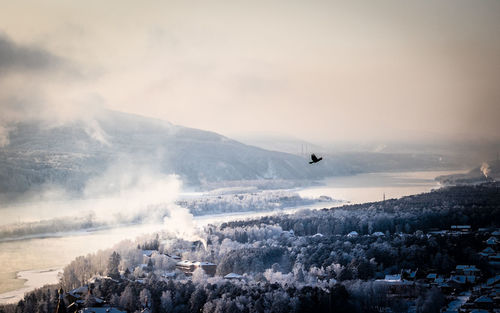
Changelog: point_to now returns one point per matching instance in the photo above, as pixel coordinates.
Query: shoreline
(33, 279)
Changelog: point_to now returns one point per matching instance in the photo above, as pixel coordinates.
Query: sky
(316, 70)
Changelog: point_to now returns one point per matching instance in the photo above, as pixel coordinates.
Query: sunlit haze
(321, 71)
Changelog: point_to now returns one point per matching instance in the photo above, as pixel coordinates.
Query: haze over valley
(264, 156)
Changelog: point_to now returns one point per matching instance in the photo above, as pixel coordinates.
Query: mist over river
(43, 256)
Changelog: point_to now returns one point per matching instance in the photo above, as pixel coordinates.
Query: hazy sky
(318, 70)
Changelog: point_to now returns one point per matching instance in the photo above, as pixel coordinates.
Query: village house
(188, 267)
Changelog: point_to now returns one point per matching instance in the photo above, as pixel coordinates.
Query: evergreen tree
(113, 263)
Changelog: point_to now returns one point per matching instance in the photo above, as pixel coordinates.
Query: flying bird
(315, 159)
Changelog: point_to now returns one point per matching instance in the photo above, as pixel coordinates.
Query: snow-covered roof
(470, 268)
(233, 276)
(198, 263)
(80, 290)
(492, 241)
(352, 234)
(168, 274)
(460, 226)
(378, 234)
(493, 280)
(173, 256)
(396, 277)
(318, 235)
(148, 253)
(101, 310)
(488, 250)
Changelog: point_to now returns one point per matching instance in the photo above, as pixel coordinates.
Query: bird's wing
(313, 157)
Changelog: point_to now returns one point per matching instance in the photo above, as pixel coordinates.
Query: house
(188, 267)
(76, 294)
(488, 251)
(492, 241)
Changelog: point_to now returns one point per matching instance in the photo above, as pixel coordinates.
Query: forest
(330, 260)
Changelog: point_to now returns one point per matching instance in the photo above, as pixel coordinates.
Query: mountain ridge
(69, 155)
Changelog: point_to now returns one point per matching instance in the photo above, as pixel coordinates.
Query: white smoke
(485, 169)
(125, 193)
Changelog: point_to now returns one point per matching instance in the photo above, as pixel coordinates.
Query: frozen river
(30, 263)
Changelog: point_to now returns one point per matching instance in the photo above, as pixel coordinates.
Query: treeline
(477, 206)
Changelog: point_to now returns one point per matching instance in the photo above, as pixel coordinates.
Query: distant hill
(487, 171)
(71, 154)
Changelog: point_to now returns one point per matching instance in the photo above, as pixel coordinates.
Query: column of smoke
(485, 169)
(126, 191)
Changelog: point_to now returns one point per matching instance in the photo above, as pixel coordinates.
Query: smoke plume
(485, 169)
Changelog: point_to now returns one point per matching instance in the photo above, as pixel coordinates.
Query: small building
(378, 234)
(492, 241)
(188, 267)
(488, 251)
